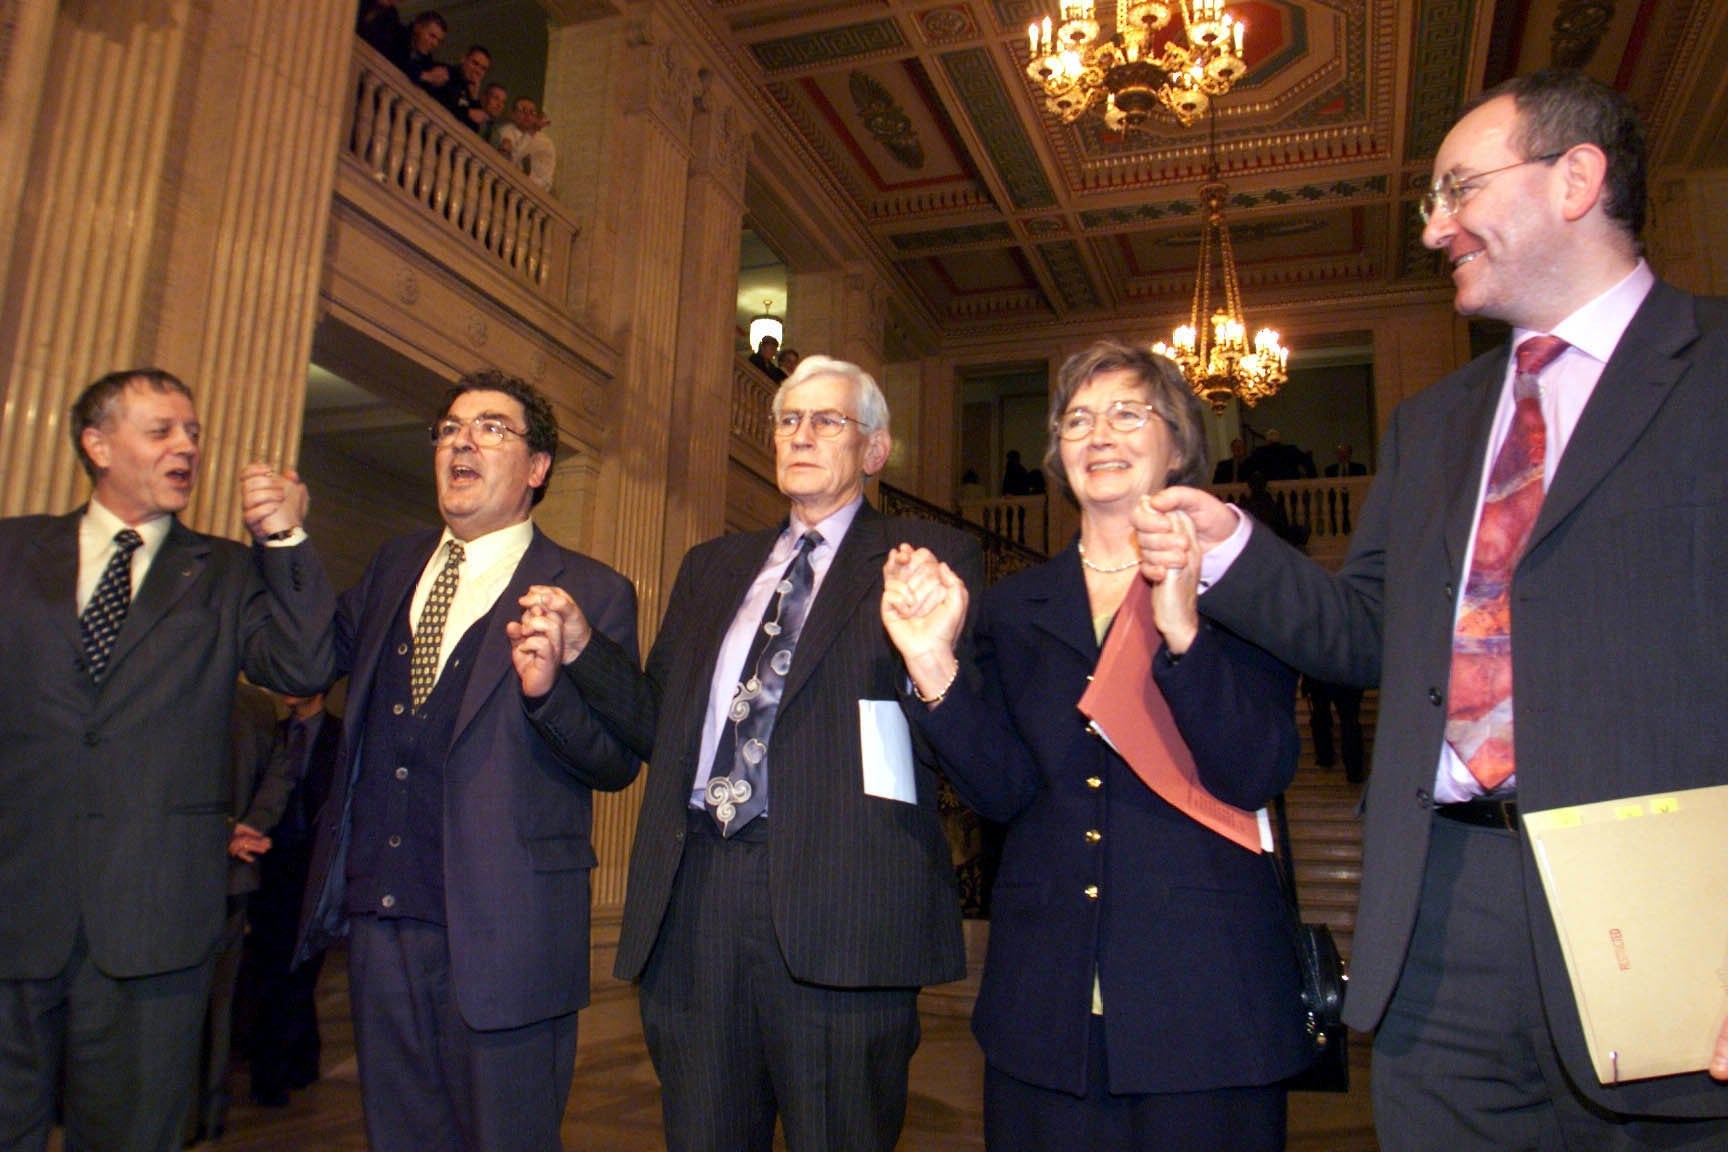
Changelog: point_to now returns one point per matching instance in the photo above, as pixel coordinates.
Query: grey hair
(1166, 391)
(872, 405)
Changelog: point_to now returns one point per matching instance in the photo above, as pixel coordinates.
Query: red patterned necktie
(1479, 701)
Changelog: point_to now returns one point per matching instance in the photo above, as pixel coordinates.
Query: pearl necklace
(1134, 563)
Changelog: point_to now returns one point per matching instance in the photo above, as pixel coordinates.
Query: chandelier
(1077, 65)
(1212, 348)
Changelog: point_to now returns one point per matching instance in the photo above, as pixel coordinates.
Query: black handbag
(1324, 982)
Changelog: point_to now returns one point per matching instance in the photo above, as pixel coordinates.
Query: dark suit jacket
(863, 888)
(1354, 469)
(1190, 937)
(518, 783)
(1620, 620)
(115, 801)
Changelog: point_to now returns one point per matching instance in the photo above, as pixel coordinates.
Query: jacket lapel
(855, 572)
(178, 566)
(56, 574)
(1057, 603)
(493, 668)
(1634, 385)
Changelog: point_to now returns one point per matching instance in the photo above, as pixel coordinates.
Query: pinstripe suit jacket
(863, 891)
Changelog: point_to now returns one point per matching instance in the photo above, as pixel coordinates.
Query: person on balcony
(464, 94)
(496, 103)
(529, 148)
(380, 25)
(764, 359)
(1233, 470)
(1345, 466)
(1280, 461)
(1141, 991)
(420, 63)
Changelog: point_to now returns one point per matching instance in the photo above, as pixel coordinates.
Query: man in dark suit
(454, 847)
(780, 951)
(283, 1043)
(1345, 466)
(122, 636)
(1233, 470)
(1610, 610)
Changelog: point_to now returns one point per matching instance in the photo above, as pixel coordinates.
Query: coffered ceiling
(994, 214)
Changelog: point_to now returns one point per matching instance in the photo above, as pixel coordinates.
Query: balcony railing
(1326, 508)
(408, 142)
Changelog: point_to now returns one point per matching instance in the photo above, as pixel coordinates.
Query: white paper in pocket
(886, 749)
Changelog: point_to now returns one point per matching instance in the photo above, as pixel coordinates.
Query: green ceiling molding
(952, 237)
(1180, 209)
(1069, 271)
(1437, 80)
(829, 46)
(992, 113)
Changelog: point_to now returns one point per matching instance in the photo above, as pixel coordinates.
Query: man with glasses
(454, 847)
(790, 886)
(1536, 583)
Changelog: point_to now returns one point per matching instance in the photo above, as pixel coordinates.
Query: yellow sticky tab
(1628, 811)
(1660, 805)
(1565, 818)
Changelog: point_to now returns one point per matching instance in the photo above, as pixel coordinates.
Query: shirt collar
(99, 524)
(480, 552)
(1596, 328)
(833, 528)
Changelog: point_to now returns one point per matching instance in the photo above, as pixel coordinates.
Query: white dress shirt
(488, 562)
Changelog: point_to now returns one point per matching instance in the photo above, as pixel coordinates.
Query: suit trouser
(429, 1082)
(1463, 1060)
(735, 1038)
(128, 1047)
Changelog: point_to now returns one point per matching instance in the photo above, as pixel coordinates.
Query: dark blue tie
(738, 798)
(100, 623)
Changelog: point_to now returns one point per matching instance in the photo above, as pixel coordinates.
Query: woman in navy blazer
(1141, 990)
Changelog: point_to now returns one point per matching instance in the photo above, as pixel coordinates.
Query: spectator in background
(463, 94)
(496, 102)
(1277, 460)
(380, 25)
(1323, 699)
(788, 361)
(528, 147)
(1015, 481)
(1345, 465)
(764, 357)
(1233, 470)
(419, 64)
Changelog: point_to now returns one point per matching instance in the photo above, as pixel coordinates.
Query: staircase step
(1335, 872)
(1338, 849)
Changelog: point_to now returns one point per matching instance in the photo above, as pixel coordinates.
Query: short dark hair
(94, 407)
(536, 409)
(1166, 390)
(480, 48)
(430, 17)
(492, 85)
(1559, 108)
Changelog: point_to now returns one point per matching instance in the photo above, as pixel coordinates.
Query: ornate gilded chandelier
(1212, 348)
(1077, 65)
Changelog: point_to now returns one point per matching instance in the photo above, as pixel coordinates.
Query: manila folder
(1639, 892)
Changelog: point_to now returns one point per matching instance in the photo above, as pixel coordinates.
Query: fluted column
(181, 167)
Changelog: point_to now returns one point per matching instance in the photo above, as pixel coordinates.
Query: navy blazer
(862, 888)
(1621, 620)
(518, 783)
(1187, 931)
(115, 799)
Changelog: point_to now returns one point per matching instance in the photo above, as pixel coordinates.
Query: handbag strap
(1282, 859)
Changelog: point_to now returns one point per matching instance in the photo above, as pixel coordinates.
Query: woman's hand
(1176, 594)
(923, 609)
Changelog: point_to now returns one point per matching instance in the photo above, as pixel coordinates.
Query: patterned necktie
(100, 623)
(1479, 702)
(429, 633)
(736, 799)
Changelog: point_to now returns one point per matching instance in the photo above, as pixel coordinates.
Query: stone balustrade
(1327, 508)
(1022, 519)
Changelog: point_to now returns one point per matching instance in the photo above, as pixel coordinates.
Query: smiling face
(1505, 242)
(145, 453)
(494, 100)
(481, 490)
(475, 65)
(1111, 470)
(526, 115)
(820, 476)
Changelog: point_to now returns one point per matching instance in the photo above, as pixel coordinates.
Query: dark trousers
(735, 1039)
(283, 1045)
(208, 1115)
(1021, 1117)
(1463, 1061)
(128, 1049)
(1323, 698)
(429, 1082)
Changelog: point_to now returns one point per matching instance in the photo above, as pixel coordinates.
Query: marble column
(180, 167)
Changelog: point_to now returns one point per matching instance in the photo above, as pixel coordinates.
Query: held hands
(552, 632)
(246, 843)
(923, 609)
(271, 501)
(1176, 592)
(1163, 546)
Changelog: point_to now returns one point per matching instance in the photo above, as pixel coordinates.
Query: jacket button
(1093, 835)
(1434, 697)
(396, 709)
(1448, 589)
(1423, 798)
(1094, 782)
(394, 841)
(388, 901)
(1091, 891)
(401, 773)
(401, 649)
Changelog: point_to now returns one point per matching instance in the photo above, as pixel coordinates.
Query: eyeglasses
(827, 423)
(1448, 192)
(1122, 415)
(489, 431)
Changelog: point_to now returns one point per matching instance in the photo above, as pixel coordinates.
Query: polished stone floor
(615, 1102)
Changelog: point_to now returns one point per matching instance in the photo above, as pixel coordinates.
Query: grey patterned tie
(739, 797)
(100, 623)
(429, 633)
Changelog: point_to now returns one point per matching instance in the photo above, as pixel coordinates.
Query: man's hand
(553, 631)
(271, 501)
(1719, 1061)
(247, 843)
(923, 609)
(1162, 545)
(1176, 596)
